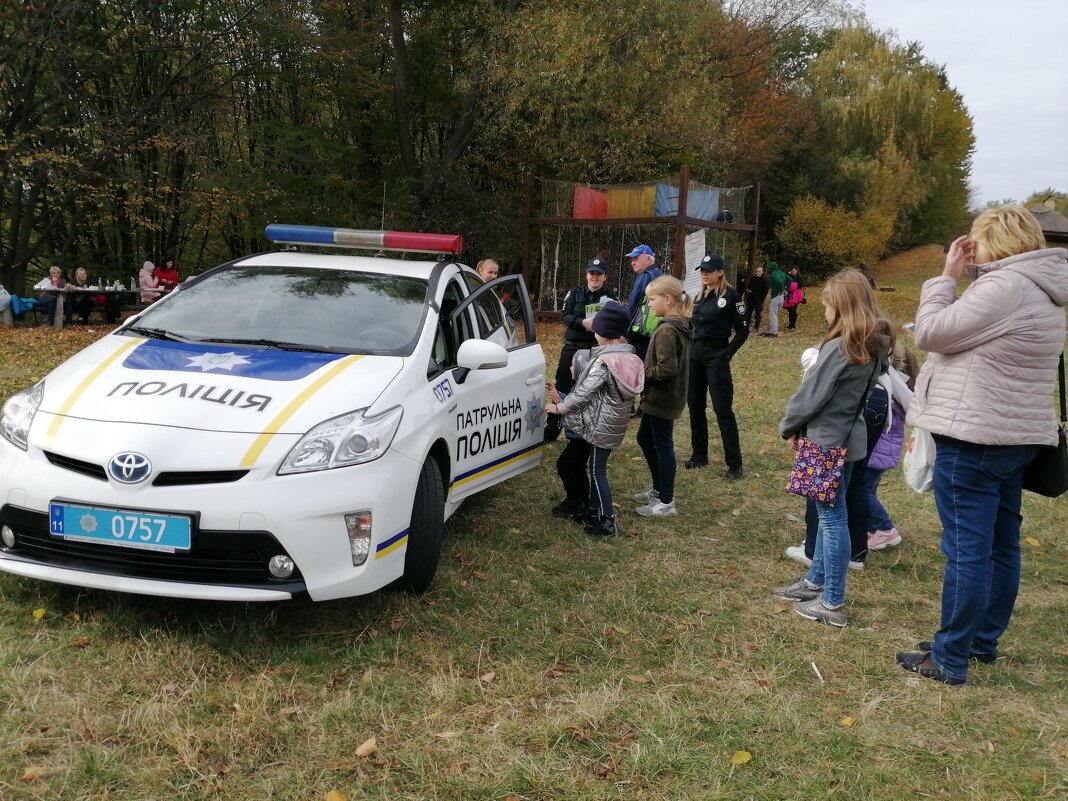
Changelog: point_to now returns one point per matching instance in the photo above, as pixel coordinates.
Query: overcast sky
(1007, 58)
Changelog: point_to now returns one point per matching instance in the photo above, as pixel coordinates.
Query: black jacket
(715, 318)
(575, 312)
(757, 287)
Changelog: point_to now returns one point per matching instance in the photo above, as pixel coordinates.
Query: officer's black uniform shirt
(715, 317)
(575, 312)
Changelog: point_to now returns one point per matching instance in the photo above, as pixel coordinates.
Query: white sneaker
(646, 497)
(797, 553)
(657, 509)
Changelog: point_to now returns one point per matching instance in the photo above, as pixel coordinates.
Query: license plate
(149, 532)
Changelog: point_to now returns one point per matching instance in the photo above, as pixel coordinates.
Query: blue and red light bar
(372, 240)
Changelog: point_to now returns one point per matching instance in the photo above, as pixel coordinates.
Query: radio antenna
(383, 205)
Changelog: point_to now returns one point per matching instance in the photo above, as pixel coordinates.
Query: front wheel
(425, 531)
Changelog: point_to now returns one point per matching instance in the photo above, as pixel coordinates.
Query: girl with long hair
(664, 396)
(828, 409)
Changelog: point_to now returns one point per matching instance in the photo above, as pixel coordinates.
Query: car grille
(237, 558)
(167, 479)
(77, 465)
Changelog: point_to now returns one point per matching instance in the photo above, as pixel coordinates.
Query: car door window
(503, 312)
(451, 332)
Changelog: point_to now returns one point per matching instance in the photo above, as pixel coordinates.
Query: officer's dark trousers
(710, 373)
(753, 311)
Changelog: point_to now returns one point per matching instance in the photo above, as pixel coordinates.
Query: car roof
(330, 261)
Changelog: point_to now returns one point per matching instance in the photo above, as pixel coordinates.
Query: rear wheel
(425, 531)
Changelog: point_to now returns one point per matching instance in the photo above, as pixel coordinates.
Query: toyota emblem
(129, 467)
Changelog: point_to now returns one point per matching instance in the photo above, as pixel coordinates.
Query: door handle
(535, 379)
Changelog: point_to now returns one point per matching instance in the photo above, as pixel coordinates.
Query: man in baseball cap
(643, 263)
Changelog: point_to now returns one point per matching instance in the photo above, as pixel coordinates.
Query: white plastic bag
(918, 463)
(5, 299)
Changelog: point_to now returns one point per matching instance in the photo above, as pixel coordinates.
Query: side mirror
(478, 354)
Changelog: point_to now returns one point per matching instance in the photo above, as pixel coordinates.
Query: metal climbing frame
(557, 244)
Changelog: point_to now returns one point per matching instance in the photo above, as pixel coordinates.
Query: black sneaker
(987, 659)
(569, 507)
(696, 461)
(604, 527)
(586, 516)
(735, 473)
(923, 663)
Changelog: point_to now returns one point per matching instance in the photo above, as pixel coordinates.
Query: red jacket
(168, 279)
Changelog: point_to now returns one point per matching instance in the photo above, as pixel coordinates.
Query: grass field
(543, 665)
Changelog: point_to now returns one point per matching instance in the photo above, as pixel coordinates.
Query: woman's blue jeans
(655, 438)
(830, 559)
(977, 490)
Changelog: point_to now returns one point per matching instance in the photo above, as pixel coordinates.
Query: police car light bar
(372, 240)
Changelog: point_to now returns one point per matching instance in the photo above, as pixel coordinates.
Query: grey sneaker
(657, 509)
(646, 497)
(800, 590)
(821, 613)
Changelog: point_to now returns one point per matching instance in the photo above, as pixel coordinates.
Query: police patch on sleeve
(740, 307)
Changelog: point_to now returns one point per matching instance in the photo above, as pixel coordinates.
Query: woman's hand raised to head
(960, 253)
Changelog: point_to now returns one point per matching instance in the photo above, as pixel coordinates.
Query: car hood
(212, 387)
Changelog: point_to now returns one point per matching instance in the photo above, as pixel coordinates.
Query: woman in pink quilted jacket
(985, 394)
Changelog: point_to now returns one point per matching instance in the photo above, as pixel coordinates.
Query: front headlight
(18, 412)
(346, 440)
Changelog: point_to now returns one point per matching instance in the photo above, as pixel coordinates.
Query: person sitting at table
(49, 294)
(167, 275)
(83, 302)
(148, 281)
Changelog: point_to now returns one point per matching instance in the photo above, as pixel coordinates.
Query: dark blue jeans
(878, 518)
(600, 492)
(657, 441)
(977, 490)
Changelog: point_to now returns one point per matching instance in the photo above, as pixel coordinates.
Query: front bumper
(238, 526)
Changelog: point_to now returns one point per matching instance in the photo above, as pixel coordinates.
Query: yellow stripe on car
(291, 408)
(61, 415)
(493, 468)
(386, 551)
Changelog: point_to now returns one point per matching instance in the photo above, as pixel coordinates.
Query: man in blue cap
(580, 305)
(643, 263)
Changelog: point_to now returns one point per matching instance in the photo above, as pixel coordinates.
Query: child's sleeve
(580, 395)
(817, 387)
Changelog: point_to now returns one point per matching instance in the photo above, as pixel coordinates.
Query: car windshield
(294, 308)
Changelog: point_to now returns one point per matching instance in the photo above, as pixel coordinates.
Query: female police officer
(717, 312)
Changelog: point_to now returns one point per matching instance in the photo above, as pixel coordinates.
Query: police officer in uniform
(717, 313)
(580, 305)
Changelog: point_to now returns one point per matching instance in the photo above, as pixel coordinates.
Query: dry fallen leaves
(33, 773)
(487, 678)
(290, 712)
(848, 721)
(741, 757)
(1032, 542)
(334, 795)
(39, 613)
(367, 747)
(456, 768)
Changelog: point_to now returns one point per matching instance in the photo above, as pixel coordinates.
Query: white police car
(288, 422)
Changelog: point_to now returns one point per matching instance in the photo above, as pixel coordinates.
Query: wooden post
(756, 224)
(678, 267)
(528, 215)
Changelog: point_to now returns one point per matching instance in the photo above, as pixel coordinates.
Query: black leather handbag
(1048, 473)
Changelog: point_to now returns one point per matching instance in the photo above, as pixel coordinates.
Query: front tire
(425, 531)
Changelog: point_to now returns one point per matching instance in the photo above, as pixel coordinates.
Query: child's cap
(612, 321)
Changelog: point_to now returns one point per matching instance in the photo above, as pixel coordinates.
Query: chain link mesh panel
(560, 252)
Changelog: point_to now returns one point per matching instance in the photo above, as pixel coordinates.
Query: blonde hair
(1004, 231)
(856, 316)
(670, 287)
(484, 262)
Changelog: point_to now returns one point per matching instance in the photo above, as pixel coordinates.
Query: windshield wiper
(156, 333)
(274, 343)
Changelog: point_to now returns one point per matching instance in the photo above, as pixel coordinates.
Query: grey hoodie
(993, 352)
(826, 407)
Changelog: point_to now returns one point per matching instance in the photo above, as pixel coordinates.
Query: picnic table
(67, 291)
